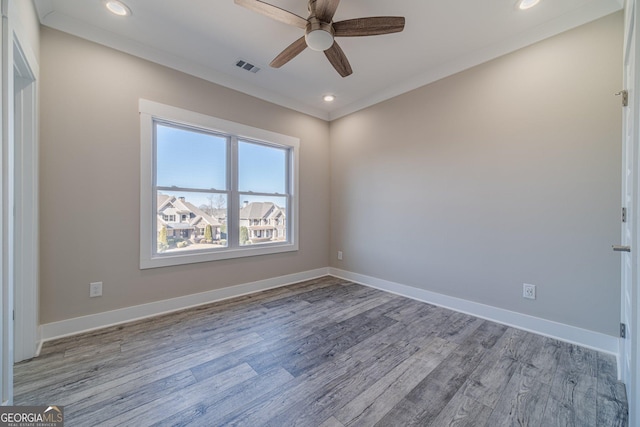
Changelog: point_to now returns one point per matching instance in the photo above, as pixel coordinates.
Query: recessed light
(527, 4)
(117, 7)
(329, 98)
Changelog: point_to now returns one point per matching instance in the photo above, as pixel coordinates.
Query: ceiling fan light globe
(117, 7)
(527, 4)
(319, 40)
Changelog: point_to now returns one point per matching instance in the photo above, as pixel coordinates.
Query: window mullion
(233, 221)
(154, 187)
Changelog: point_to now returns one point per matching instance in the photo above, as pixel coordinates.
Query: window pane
(262, 169)
(190, 222)
(262, 220)
(190, 159)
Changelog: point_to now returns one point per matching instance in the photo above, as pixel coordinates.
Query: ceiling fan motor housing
(319, 35)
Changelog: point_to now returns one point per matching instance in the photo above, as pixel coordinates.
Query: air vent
(247, 66)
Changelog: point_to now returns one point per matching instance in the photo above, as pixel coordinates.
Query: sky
(193, 159)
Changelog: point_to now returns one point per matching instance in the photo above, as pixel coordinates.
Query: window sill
(171, 259)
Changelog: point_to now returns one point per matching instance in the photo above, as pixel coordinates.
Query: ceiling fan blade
(339, 60)
(293, 50)
(273, 12)
(369, 26)
(325, 9)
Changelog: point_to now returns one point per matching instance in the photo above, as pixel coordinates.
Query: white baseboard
(40, 341)
(63, 328)
(571, 334)
(594, 340)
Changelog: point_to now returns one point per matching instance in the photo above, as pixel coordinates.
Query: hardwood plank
(135, 396)
(412, 310)
(258, 321)
(332, 422)
(312, 319)
(210, 410)
(518, 344)
(302, 361)
(322, 402)
(258, 412)
(424, 402)
(578, 360)
(155, 410)
(611, 396)
(92, 350)
(299, 347)
(541, 359)
(371, 405)
(459, 327)
(493, 373)
(335, 371)
(384, 302)
(522, 403)
(359, 357)
(572, 400)
(462, 411)
(487, 383)
(92, 378)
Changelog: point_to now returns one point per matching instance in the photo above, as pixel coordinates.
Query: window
(223, 182)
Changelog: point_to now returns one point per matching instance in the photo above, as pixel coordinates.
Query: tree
(163, 243)
(216, 203)
(244, 235)
(163, 235)
(208, 233)
(220, 202)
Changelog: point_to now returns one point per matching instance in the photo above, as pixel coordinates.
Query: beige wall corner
(90, 174)
(504, 174)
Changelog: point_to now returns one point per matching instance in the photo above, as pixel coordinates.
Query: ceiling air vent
(246, 66)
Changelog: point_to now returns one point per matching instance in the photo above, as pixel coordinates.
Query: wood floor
(322, 353)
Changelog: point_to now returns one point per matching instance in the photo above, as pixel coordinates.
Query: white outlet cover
(528, 291)
(95, 289)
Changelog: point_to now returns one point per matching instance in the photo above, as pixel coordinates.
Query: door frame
(629, 347)
(26, 330)
(6, 225)
(17, 56)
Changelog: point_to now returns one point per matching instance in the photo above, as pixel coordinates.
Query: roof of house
(163, 199)
(257, 210)
(171, 204)
(278, 211)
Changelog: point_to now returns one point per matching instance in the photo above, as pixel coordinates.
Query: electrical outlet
(340, 255)
(95, 289)
(528, 291)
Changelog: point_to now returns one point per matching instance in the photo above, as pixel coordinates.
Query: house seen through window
(214, 194)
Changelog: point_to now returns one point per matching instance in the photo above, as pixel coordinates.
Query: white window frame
(152, 111)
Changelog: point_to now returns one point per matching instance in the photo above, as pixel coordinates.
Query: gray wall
(505, 173)
(90, 170)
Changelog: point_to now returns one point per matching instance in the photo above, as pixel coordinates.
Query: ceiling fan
(320, 30)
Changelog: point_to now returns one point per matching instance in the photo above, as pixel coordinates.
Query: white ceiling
(206, 38)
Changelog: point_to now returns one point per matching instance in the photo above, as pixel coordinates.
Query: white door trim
(16, 56)
(26, 260)
(6, 317)
(629, 347)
